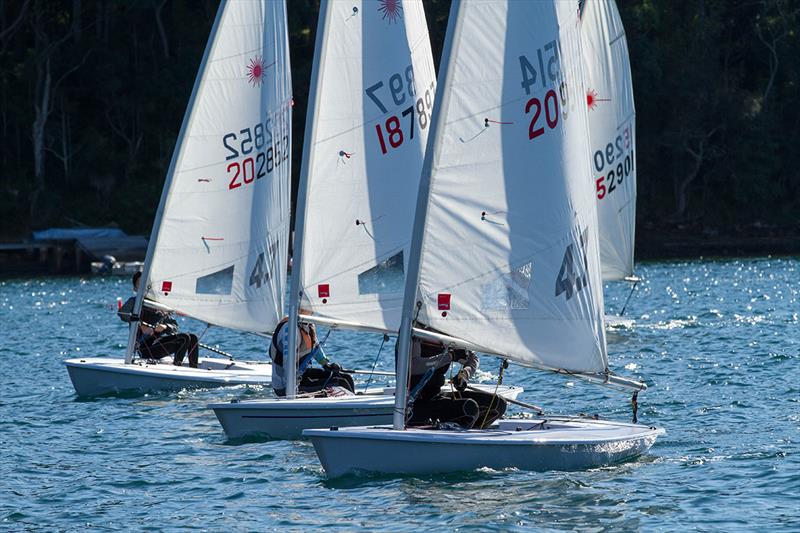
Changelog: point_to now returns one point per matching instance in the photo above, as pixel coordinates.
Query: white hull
(94, 376)
(557, 443)
(618, 322)
(286, 419)
(119, 268)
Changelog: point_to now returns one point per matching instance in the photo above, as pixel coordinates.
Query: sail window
(509, 291)
(386, 277)
(219, 282)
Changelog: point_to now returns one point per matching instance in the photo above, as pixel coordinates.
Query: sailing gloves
(461, 379)
(333, 367)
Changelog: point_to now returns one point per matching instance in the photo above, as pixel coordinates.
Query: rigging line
(484, 217)
(343, 156)
(455, 392)
(200, 337)
(374, 364)
(471, 138)
(617, 38)
(487, 121)
(629, 298)
(364, 225)
(503, 366)
(321, 343)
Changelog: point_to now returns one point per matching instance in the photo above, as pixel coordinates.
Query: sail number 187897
(400, 91)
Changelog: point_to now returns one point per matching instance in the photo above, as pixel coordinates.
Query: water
(718, 343)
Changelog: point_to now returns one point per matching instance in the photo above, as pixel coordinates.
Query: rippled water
(718, 343)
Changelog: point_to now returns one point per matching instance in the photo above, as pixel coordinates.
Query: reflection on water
(716, 342)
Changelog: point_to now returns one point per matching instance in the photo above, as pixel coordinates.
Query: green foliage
(717, 84)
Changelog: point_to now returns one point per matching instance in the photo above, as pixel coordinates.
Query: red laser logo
(255, 71)
(391, 10)
(592, 99)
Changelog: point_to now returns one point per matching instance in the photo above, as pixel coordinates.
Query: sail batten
(221, 244)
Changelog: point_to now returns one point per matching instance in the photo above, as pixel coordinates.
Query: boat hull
(617, 322)
(97, 376)
(286, 419)
(562, 443)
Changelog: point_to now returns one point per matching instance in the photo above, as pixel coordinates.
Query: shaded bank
(92, 93)
(688, 242)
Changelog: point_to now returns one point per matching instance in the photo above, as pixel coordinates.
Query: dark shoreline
(650, 246)
(681, 244)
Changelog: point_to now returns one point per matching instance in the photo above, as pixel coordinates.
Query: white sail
(612, 133)
(375, 85)
(221, 247)
(509, 252)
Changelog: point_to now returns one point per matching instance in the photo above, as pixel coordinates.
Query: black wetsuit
(168, 342)
(428, 404)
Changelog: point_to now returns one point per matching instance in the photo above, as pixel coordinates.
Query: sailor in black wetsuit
(158, 334)
(428, 404)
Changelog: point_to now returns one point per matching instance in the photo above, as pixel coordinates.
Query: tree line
(92, 94)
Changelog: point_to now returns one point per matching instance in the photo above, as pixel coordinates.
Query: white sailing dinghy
(612, 140)
(367, 126)
(218, 249)
(504, 255)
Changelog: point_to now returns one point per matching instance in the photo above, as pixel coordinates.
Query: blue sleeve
(319, 355)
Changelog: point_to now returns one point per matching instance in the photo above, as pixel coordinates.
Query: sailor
(158, 334)
(330, 378)
(430, 362)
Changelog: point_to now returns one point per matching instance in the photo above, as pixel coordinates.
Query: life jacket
(304, 353)
(304, 344)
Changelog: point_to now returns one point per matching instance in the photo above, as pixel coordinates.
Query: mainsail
(508, 248)
(374, 90)
(612, 133)
(219, 252)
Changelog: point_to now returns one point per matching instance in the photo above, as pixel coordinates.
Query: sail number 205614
(537, 75)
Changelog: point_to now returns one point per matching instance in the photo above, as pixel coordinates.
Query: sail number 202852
(262, 151)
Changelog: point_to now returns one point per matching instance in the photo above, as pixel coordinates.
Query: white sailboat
(504, 255)
(612, 140)
(218, 248)
(366, 131)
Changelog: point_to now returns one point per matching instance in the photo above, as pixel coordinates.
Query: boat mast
(418, 233)
(317, 69)
(165, 192)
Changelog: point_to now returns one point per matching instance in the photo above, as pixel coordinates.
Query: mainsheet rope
(375, 363)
